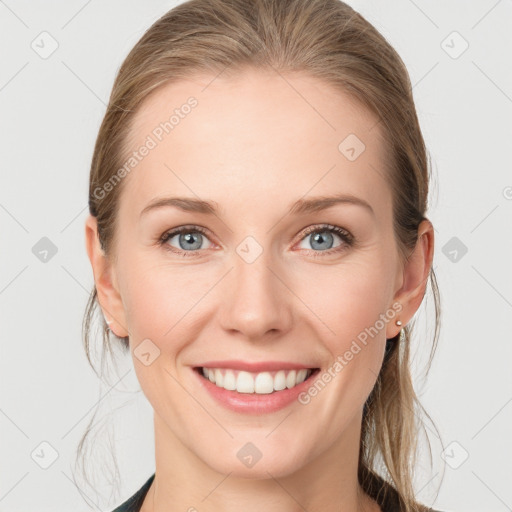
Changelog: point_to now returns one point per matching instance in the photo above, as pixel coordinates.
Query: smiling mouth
(261, 383)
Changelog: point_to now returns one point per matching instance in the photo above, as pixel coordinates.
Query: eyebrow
(302, 206)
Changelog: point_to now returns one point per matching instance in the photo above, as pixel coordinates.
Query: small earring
(398, 322)
(109, 322)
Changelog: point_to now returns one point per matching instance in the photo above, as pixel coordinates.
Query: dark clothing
(134, 503)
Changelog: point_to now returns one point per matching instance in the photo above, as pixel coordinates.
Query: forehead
(254, 136)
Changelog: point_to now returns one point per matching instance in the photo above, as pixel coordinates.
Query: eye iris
(190, 242)
(319, 238)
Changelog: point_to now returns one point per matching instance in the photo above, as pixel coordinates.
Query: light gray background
(51, 109)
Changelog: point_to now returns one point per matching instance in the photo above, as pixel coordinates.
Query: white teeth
(244, 383)
(280, 380)
(219, 378)
(260, 383)
(301, 375)
(229, 381)
(291, 379)
(263, 383)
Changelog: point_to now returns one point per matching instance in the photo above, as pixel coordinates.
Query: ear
(104, 279)
(412, 280)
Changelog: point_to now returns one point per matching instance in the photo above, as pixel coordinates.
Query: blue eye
(190, 240)
(321, 239)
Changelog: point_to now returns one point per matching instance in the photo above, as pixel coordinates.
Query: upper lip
(255, 367)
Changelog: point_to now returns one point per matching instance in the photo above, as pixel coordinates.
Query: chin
(249, 461)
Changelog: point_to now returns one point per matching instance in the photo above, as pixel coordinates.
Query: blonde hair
(328, 40)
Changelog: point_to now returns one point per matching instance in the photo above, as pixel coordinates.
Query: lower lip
(253, 403)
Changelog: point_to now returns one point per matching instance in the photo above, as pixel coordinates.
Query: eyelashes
(178, 231)
(347, 238)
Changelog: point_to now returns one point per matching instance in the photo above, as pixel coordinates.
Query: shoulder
(134, 503)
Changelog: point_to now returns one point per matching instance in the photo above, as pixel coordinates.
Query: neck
(327, 482)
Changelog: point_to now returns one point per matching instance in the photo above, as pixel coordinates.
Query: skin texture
(254, 144)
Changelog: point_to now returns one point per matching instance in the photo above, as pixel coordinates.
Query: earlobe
(415, 274)
(109, 297)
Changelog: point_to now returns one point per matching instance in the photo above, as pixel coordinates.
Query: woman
(240, 138)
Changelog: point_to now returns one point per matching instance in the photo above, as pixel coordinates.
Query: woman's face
(259, 277)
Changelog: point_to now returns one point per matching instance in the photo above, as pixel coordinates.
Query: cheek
(349, 303)
(157, 295)
(352, 310)
(160, 304)
(165, 304)
(349, 299)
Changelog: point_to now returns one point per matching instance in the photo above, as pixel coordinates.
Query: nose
(256, 300)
